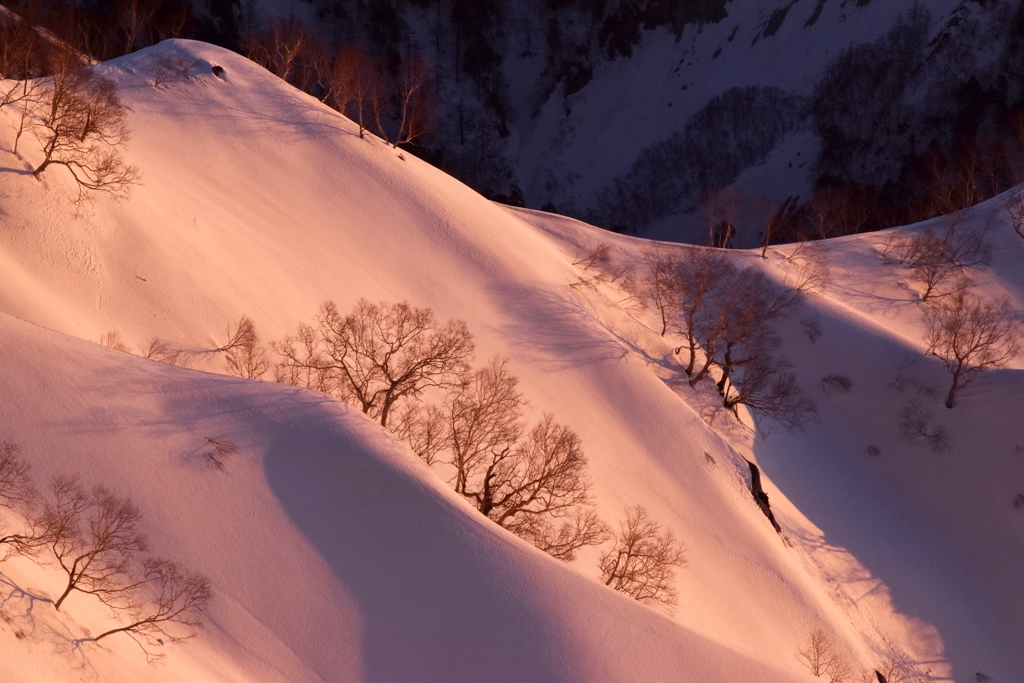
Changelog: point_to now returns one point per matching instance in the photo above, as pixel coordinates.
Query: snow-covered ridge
(336, 556)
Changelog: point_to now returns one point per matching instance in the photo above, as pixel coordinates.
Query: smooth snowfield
(335, 555)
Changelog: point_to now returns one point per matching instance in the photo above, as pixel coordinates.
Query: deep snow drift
(335, 555)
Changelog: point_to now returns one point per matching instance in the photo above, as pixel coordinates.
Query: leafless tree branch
(643, 562)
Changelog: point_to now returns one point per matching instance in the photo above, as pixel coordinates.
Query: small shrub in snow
(163, 352)
(836, 383)
(812, 328)
(914, 424)
(1018, 501)
(171, 68)
(643, 561)
(112, 340)
(219, 450)
(874, 451)
(245, 356)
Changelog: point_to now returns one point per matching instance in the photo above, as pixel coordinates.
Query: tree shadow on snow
(419, 570)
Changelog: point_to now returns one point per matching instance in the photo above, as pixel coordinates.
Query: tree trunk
(951, 396)
(67, 591)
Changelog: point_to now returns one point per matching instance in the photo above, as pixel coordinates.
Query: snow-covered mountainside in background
(629, 114)
(335, 554)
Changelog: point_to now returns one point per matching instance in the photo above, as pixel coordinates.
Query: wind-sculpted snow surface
(333, 553)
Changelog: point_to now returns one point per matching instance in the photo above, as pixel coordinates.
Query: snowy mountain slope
(259, 201)
(336, 556)
(633, 143)
(889, 522)
(953, 551)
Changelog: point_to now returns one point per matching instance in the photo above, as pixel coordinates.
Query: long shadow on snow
(18, 610)
(548, 327)
(861, 503)
(438, 597)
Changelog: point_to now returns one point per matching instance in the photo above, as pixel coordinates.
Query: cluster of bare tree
(724, 315)
(377, 356)
(383, 358)
(93, 536)
(940, 263)
(966, 332)
(74, 112)
(533, 482)
(393, 98)
(824, 659)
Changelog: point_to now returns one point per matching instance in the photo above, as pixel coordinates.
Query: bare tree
(539, 490)
(407, 108)
(245, 356)
(82, 127)
(535, 487)
(702, 275)
(281, 49)
(134, 19)
(970, 335)
(20, 58)
(929, 258)
(112, 340)
(424, 427)
(174, 609)
(643, 562)
(782, 215)
(169, 68)
(719, 209)
(16, 489)
(822, 658)
(163, 351)
(939, 262)
(17, 494)
(766, 387)
(660, 286)
(484, 420)
(18, 55)
(726, 314)
(355, 84)
(377, 355)
(93, 536)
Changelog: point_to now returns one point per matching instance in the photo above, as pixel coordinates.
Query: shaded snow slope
(938, 536)
(334, 554)
(257, 200)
